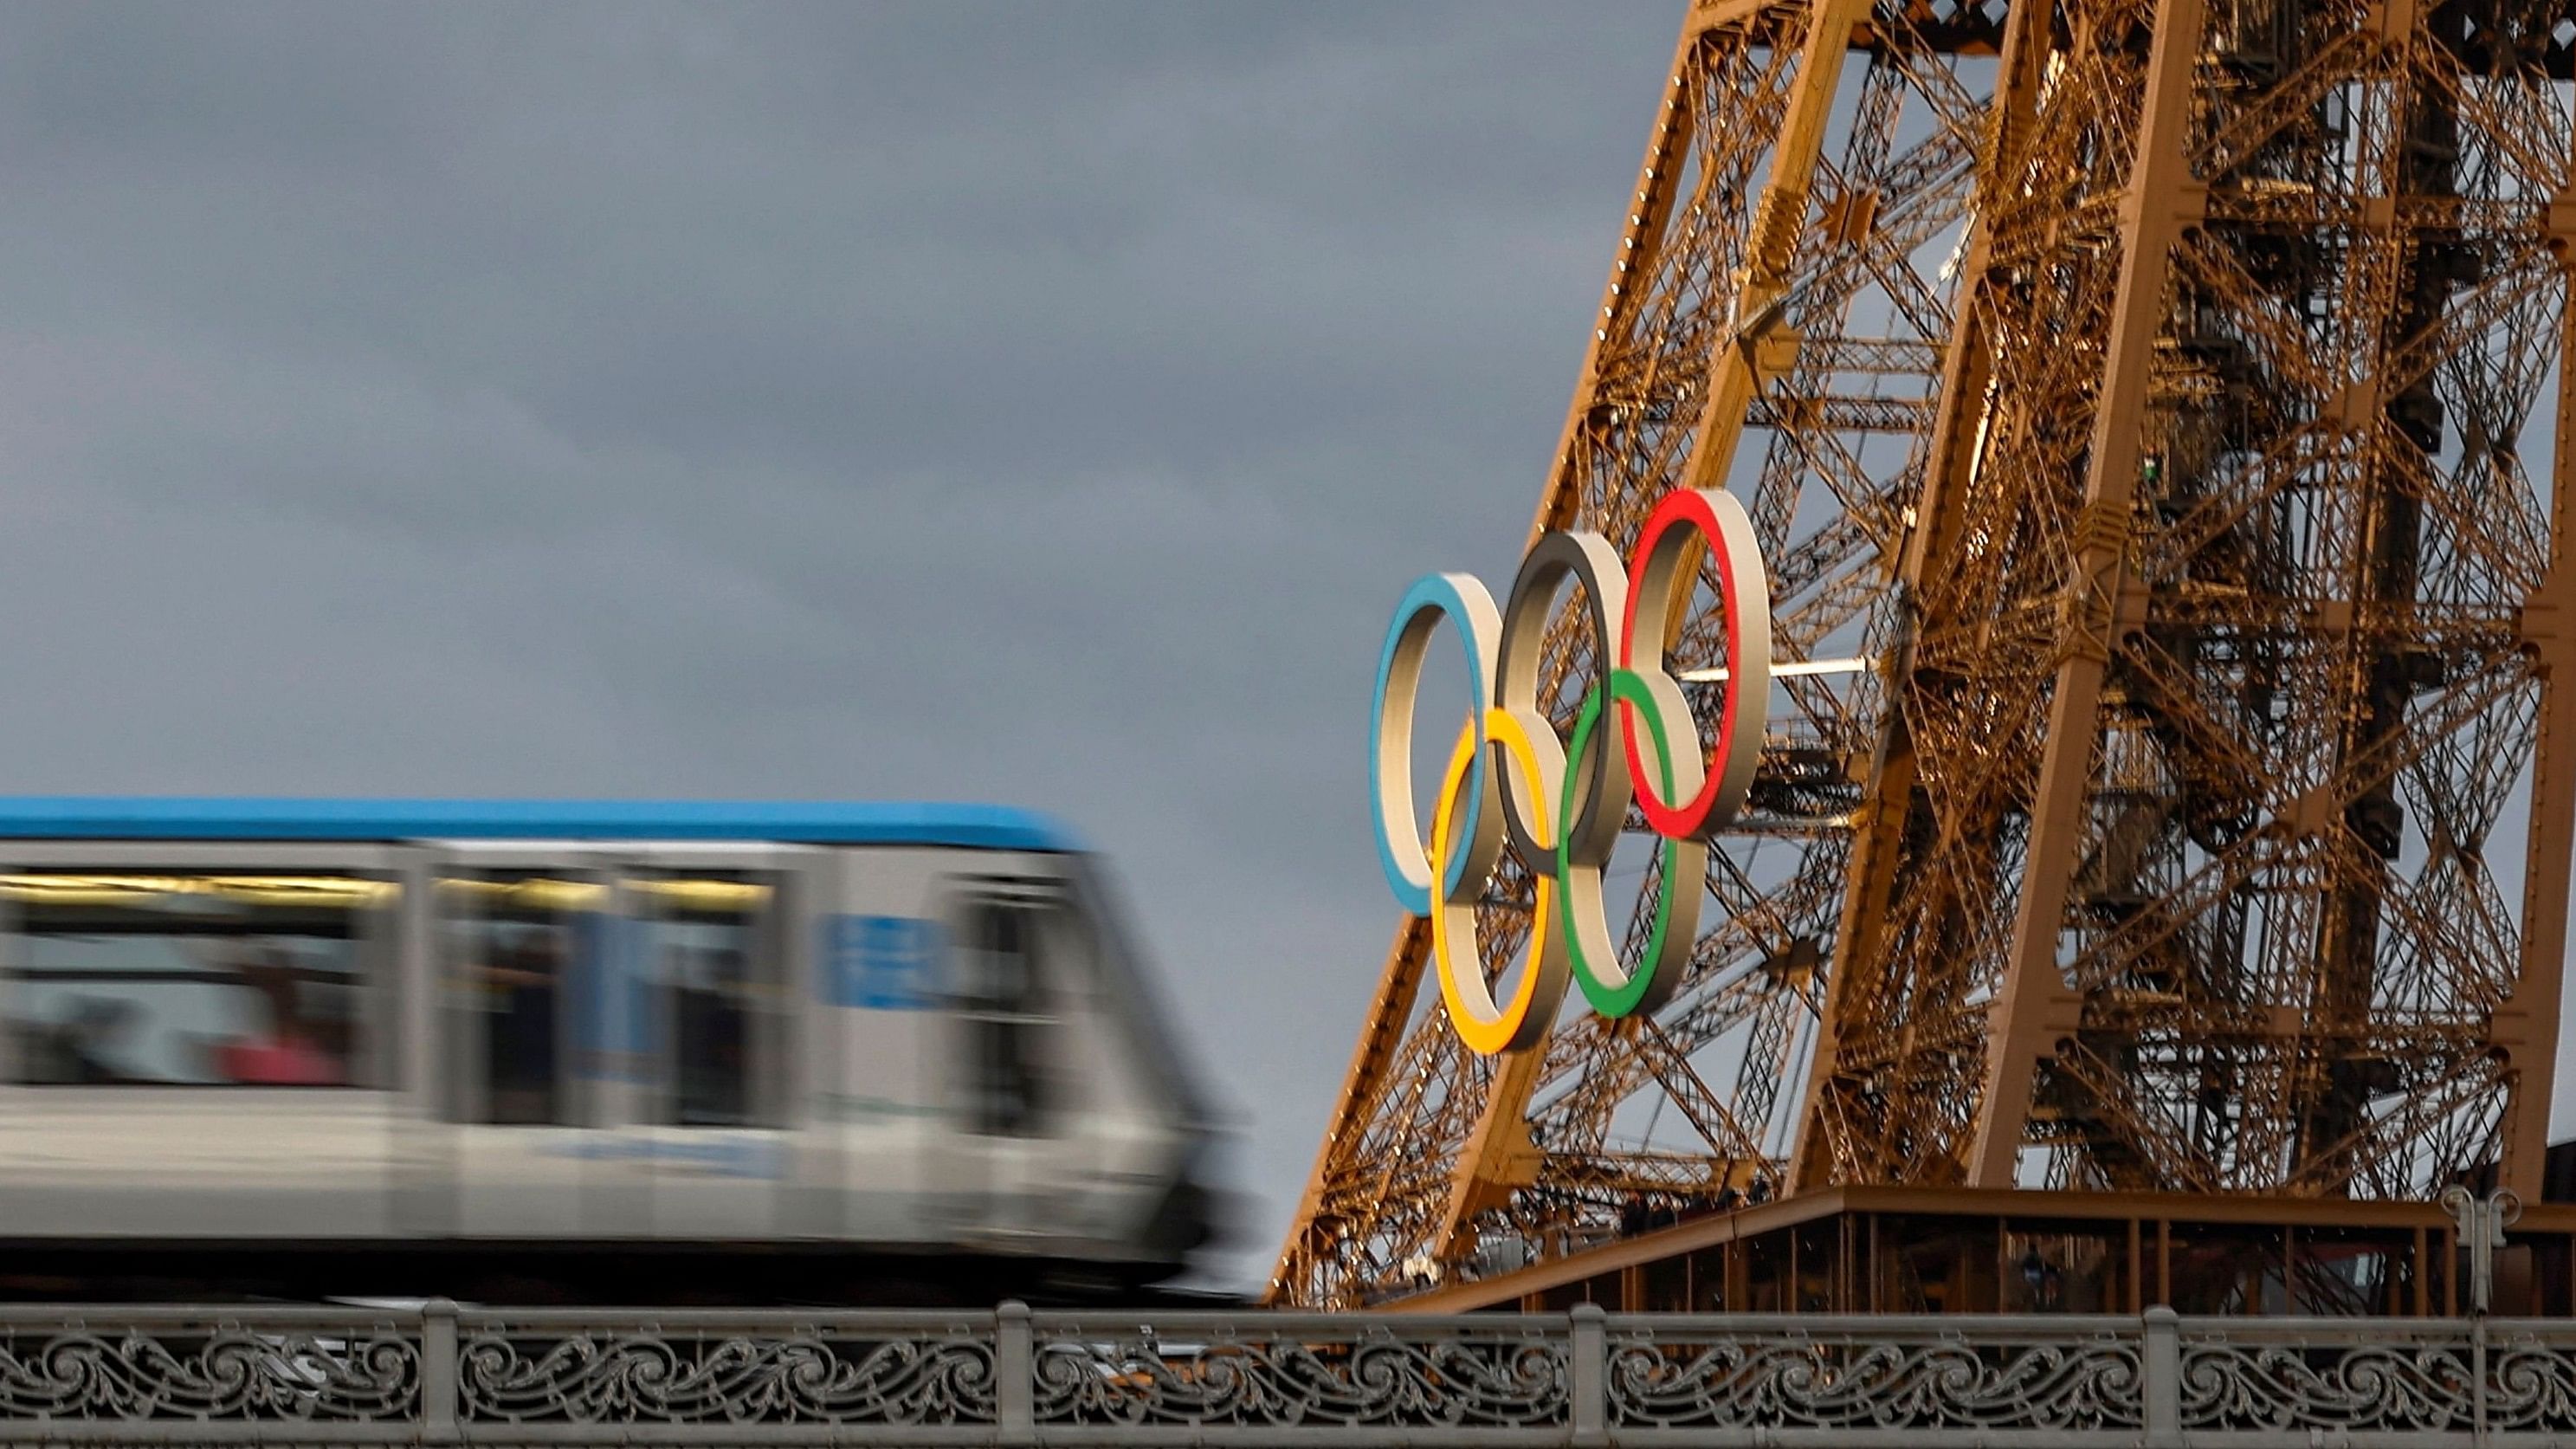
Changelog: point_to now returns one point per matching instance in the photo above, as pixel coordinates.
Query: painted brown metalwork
(2152, 392)
(1774, 323)
(2226, 642)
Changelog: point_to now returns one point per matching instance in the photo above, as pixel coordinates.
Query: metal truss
(2224, 722)
(2157, 396)
(1775, 322)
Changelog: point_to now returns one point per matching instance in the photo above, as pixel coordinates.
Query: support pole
(2527, 1024)
(438, 1371)
(2034, 1006)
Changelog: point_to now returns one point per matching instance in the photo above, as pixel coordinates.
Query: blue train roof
(991, 827)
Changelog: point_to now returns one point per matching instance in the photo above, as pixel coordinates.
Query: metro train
(541, 1051)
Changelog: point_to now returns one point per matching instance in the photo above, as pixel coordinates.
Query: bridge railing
(336, 1376)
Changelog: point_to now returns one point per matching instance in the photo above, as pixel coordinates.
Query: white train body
(523, 1030)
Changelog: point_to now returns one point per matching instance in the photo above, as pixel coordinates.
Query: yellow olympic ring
(1456, 953)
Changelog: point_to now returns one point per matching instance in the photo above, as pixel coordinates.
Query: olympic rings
(1560, 804)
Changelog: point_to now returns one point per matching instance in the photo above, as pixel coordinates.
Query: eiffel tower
(2154, 414)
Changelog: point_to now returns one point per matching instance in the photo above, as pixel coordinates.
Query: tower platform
(1968, 1250)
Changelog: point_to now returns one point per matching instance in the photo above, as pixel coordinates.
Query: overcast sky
(1034, 403)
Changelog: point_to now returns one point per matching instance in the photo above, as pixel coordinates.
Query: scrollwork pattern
(2400, 1386)
(2530, 1386)
(1762, 1381)
(209, 1372)
(1368, 1379)
(786, 1377)
(315, 1378)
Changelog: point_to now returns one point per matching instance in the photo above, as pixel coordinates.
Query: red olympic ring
(1658, 583)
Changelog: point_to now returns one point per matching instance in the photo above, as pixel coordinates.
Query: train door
(712, 963)
(1007, 1080)
(534, 1065)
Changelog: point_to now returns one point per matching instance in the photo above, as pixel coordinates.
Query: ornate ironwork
(315, 1378)
(726, 1369)
(2084, 1375)
(2356, 1378)
(2380, 1386)
(1310, 1372)
(200, 1366)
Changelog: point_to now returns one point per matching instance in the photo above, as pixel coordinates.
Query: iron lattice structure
(2155, 394)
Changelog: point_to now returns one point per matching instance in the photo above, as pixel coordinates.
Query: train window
(708, 956)
(193, 979)
(1001, 1003)
(514, 941)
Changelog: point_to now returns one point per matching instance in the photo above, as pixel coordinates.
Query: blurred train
(542, 1051)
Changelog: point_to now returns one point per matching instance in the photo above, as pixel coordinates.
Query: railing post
(438, 1371)
(2161, 1363)
(1015, 1374)
(1587, 1375)
(2478, 1377)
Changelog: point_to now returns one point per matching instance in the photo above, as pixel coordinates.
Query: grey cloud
(1039, 403)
